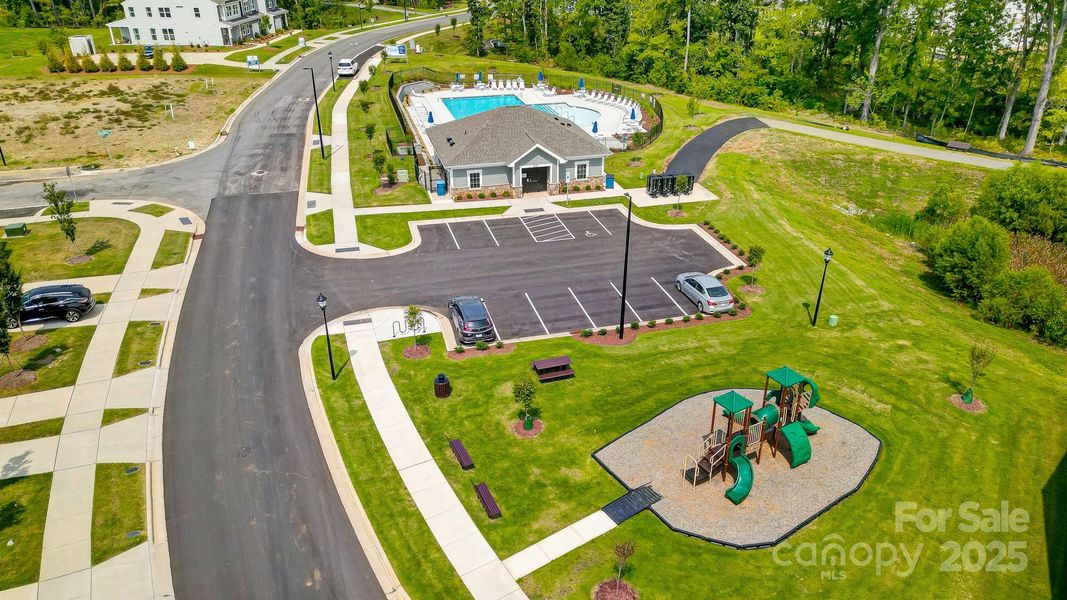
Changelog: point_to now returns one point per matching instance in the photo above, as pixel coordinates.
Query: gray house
(517, 149)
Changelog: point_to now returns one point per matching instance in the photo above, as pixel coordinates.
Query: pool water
(472, 105)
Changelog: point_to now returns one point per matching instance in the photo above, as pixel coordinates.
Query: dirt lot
(45, 123)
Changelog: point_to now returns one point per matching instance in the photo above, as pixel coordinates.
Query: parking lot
(545, 273)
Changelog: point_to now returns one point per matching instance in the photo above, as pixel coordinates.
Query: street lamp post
(333, 78)
(321, 301)
(826, 256)
(625, 264)
(318, 119)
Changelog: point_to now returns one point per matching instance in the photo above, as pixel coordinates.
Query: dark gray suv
(69, 302)
(472, 320)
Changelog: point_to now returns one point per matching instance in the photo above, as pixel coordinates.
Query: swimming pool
(472, 105)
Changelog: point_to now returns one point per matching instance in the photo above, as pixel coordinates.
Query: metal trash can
(609, 182)
(442, 388)
(441, 188)
(16, 230)
(832, 321)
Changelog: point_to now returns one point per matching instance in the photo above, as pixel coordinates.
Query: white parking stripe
(598, 222)
(582, 307)
(454, 240)
(535, 312)
(486, 223)
(496, 327)
(546, 228)
(669, 295)
(627, 302)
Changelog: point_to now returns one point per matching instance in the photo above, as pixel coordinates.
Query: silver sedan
(708, 293)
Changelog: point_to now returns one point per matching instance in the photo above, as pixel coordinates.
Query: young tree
(453, 22)
(10, 291)
(106, 64)
(124, 62)
(5, 339)
(437, 30)
(378, 159)
(524, 390)
(158, 62)
(623, 552)
(413, 319)
(61, 207)
(89, 65)
(364, 105)
(369, 129)
(364, 85)
(177, 62)
(1055, 41)
(143, 63)
(981, 356)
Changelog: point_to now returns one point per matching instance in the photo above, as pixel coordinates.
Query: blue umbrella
(581, 83)
(478, 77)
(429, 117)
(540, 75)
(633, 115)
(457, 77)
(594, 127)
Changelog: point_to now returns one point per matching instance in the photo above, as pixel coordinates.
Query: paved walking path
(556, 545)
(66, 570)
(481, 570)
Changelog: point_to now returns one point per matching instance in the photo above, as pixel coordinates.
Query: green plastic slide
(743, 483)
(809, 427)
(815, 395)
(800, 447)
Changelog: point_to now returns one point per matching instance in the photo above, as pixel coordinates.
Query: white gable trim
(536, 147)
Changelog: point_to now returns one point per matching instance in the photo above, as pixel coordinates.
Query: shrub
(507, 193)
(364, 105)
(634, 325)
(177, 62)
(707, 223)
(483, 346)
(460, 349)
(55, 62)
(742, 306)
(668, 321)
(378, 159)
(481, 195)
(124, 62)
(599, 187)
(717, 315)
(699, 316)
(726, 271)
(72, 64)
(469, 196)
(499, 344)
(106, 64)
(492, 194)
(89, 65)
(618, 330)
(1030, 198)
(739, 268)
(755, 255)
(718, 276)
(943, 208)
(158, 62)
(1029, 299)
(459, 197)
(44, 46)
(587, 333)
(686, 318)
(733, 312)
(652, 323)
(143, 64)
(368, 130)
(601, 331)
(733, 246)
(970, 256)
(588, 187)
(390, 175)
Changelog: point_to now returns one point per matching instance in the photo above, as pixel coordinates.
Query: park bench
(549, 369)
(962, 146)
(486, 498)
(461, 453)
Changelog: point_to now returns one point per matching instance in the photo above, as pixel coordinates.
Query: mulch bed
(635, 163)
(81, 259)
(27, 343)
(975, 407)
(538, 427)
(17, 379)
(416, 352)
(628, 335)
(473, 352)
(754, 290)
(676, 214)
(608, 590)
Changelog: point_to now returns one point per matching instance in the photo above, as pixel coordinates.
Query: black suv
(472, 320)
(69, 302)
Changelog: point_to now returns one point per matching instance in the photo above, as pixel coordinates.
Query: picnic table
(550, 369)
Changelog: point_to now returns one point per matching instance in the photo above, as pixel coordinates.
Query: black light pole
(405, 9)
(318, 119)
(826, 256)
(321, 301)
(333, 78)
(625, 263)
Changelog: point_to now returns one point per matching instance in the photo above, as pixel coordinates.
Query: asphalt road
(695, 154)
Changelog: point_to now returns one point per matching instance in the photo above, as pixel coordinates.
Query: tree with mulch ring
(17, 377)
(61, 208)
(28, 343)
(414, 322)
(979, 359)
(519, 429)
(617, 589)
(674, 213)
(637, 162)
(528, 424)
(750, 287)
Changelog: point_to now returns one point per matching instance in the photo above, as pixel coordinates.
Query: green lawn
(319, 172)
(102, 297)
(900, 350)
(225, 71)
(35, 63)
(41, 254)
(265, 52)
(119, 510)
(149, 292)
(139, 344)
(30, 431)
(114, 415)
(288, 58)
(172, 249)
(82, 206)
(391, 231)
(421, 565)
(56, 362)
(156, 210)
(23, 505)
(319, 169)
(319, 228)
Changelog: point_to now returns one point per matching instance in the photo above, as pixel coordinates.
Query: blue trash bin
(609, 182)
(441, 191)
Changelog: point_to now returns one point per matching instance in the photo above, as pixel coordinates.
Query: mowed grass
(899, 351)
(119, 510)
(23, 505)
(172, 249)
(319, 165)
(30, 431)
(75, 207)
(156, 210)
(56, 363)
(139, 344)
(35, 63)
(265, 53)
(114, 415)
(41, 254)
(319, 228)
(391, 231)
(421, 565)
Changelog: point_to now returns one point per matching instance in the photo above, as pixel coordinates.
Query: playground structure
(779, 421)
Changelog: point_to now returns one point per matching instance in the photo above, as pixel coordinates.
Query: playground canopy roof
(786, 377)
(732, 403)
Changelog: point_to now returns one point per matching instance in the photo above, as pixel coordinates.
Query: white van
(347, 67)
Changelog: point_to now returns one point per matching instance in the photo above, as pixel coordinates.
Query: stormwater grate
(134, 533)
(132, 470)
(185, 221)
(145, 363)
(311, 204)
(120, 203)
(356, 322)
(534, 210)
(347, 249)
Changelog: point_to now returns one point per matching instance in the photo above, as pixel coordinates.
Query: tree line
(962, 67)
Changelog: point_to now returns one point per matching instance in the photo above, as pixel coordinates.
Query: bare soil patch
(976, 406)
(635, 163)
(753, 289)
(416, 352)
(28, 343)
(81, 259)
(473, 352)
(609, 590)
(17, 379)
(517, 429)
(676, 214)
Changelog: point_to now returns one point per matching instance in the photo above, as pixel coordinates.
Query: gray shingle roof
(503, 135)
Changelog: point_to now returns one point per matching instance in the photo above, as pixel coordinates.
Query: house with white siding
(517, 149)
(196, 22)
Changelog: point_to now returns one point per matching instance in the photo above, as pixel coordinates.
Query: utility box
(81, 45)
(16, 230)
